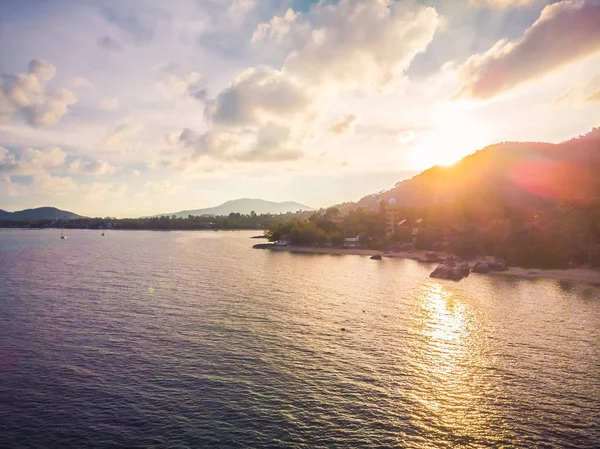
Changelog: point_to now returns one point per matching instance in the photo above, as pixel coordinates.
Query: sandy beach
(585, 275)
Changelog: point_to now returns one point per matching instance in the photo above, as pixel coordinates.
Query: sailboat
(62, 233)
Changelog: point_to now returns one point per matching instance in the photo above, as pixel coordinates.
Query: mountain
(527, 175)
(39, 213)
(245, 206)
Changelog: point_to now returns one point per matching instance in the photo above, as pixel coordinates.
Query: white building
(283, 241)
(351, 242)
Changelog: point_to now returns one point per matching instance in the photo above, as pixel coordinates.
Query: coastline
(583, 275)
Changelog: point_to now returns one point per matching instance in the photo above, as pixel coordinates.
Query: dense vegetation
(231, 221)
(567, 234)
(534, 204)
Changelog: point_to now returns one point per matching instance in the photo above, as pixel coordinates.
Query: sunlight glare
(456, 137)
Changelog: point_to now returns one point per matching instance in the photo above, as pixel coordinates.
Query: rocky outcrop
(481, 267)
(498, 265)
(451, 270)
(486, 267)
(376, 257)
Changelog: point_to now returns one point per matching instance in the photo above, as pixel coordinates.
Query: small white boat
(62, 234)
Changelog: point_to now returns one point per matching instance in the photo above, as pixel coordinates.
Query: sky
(134, 107)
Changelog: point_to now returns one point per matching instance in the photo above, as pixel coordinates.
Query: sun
(455, 138)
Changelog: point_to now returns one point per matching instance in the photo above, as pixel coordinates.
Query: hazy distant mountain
(39, 213)
(510, 173)
(245, 206)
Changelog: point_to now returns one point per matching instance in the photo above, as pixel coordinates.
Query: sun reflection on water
(451, 356)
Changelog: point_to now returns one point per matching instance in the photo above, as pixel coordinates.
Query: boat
(103, 234)
(62, 234)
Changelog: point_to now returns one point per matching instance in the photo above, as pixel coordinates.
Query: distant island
(37, 214)
(244, 206)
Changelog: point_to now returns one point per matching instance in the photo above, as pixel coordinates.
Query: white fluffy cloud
(54, 185)
(258, 95)
(565, 32)
(358, 44)
(31, 161)
(27, 95)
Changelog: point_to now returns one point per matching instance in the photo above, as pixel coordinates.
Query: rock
(498, 265)
(343, 329)
(464, 268)
(441, 272)
(376, 257)
(456, 274)
(450, 271)
(481, 267)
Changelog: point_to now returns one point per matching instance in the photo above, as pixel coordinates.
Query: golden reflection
(451, 357)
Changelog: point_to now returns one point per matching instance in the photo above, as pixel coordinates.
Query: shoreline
(583, 275)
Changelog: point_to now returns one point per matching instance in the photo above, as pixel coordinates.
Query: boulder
(464, 268)
(441, 272)
(498, 265)
(481, 267)
(456, 274)
(445, 271)
(376, 257)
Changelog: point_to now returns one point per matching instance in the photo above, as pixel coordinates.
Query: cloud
(565, 32)
(81, 83)
(135, 172)
(99, 191)
(191, 84)
(240, 8)
(359, 44)
(269, 143)
(123, 130)
(54, 185)
(110, 44)
(500, 3)
(109, 104)
(266, 113)
(344, 124)
(26, 94)
(95, 167)
(31, 161)
(161, 188)
(8, 162)
(594, 97)
(259, 94)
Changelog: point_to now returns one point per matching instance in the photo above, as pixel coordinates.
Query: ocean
(195, 340)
